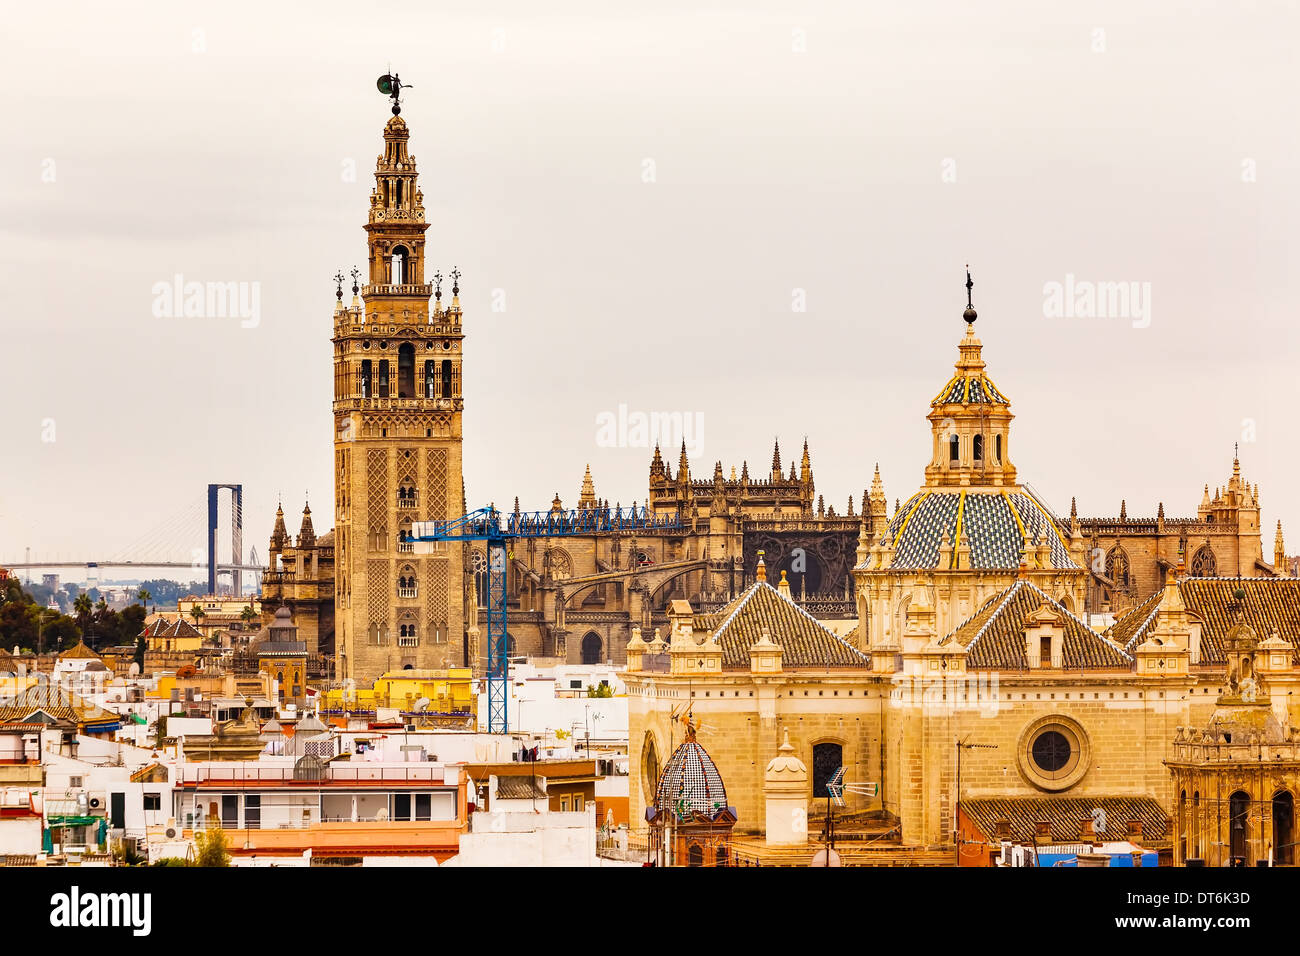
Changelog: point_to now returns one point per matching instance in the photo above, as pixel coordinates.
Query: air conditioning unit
(170, 833)
(97, 801)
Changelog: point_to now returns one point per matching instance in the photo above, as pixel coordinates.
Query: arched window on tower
(446, 378)
(954, 449)
(406, 370)
(997, 449)
(430, 379)
(977, 449)
(478, 561)
(1204, 564)
(366, 383)
(381, 387)
(1117, 569)
(407, 498)
(400, 258)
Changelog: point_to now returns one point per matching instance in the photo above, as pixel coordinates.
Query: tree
(130, 622)
(600, 690)
(211, 846)
(141, 646)
(82, 605)
(247, 615)
(30, 625)
(61, 632)
(196, 612)
(143, 595)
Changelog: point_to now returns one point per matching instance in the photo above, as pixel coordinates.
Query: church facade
(972, 650)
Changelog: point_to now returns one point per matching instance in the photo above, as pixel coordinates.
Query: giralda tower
(397, 441)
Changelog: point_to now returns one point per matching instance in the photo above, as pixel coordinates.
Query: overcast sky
(640, 204)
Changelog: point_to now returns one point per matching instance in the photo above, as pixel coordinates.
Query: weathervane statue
(391, 86)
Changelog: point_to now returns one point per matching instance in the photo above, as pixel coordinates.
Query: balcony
(408, 642)
(406, 592)
(406, 547)
(425, 290)
(408, 504)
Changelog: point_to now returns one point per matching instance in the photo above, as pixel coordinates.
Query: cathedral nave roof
(1268, 605)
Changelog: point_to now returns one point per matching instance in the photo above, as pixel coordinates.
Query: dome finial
(970, 315)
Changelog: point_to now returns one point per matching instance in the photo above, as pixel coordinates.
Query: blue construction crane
(495, 528)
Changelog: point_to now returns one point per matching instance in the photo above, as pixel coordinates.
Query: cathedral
(977, 698)
(1060, 657)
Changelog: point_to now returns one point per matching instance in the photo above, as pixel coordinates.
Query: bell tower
(970, 420)
(397, 441)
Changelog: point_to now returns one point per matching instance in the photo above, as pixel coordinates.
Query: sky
(756, 215)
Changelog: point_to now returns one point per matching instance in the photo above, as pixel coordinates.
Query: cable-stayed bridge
(193, 537)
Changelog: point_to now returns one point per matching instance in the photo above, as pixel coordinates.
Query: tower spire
(970, 315)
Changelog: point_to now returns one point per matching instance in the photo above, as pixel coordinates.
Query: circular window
(446, 345)
(383, 345)
(365, 344)
(1054, 753)
(428, 346)
(1051, 751)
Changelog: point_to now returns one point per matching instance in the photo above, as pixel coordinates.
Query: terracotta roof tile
(1270, 604)
(994, 636)
(54, 701)
(805, 641)
(1065, 814)
(519, 788)
(79, 651)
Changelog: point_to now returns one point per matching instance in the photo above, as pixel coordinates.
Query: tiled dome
(690, 783)
(996, 523)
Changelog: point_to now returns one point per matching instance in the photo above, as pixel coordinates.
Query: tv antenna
(391, 86)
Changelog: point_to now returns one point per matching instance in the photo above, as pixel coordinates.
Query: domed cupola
(690, 822)
(970, 420)
(690, 786)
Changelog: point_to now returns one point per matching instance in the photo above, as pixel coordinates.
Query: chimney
(1086, 830)
(1042, 830)
(1135, 830)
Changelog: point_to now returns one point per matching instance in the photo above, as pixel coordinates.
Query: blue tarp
(1149, 858)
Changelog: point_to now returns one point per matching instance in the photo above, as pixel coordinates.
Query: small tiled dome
(690, 783)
